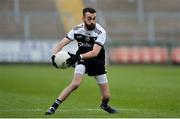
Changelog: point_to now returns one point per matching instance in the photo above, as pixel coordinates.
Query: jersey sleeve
(70, 35)
(101, 39)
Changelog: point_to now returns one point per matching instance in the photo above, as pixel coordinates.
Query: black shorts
(93, 67)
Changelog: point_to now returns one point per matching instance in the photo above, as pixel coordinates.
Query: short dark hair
(88, 9)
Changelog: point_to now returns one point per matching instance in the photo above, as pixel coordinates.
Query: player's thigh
(79, 72)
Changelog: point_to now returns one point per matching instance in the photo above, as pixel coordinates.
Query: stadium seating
(125, 28)
(37, 6)
(43, 18)
(162, 5)
(123, 23)
(9, 29)
(175, 55)
(139, 55)
(128, 34)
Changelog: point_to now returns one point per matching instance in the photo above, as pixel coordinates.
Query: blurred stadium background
(139, 31)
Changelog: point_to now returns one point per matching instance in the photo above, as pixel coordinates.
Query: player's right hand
(53, 62)
(73, 59)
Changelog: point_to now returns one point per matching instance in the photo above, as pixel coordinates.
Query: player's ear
(83, 18)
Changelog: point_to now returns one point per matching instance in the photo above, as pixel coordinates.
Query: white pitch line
(64, 110)
(39, 110)
(20, 110)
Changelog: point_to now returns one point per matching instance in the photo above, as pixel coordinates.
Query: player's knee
(74, 86)
(75, 83)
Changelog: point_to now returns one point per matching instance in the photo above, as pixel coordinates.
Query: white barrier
(29, 51)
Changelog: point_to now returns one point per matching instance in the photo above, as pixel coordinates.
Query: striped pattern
(70, 12)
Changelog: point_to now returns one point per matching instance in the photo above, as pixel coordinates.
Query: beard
(90, 27)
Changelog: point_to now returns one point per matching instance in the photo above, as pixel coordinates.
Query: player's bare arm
(77, 57)
(92, 53)
(60, 45)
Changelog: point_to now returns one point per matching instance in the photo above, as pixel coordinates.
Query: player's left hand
(73, 59)
(53, 62)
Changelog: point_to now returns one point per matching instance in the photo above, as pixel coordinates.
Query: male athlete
(89, 58)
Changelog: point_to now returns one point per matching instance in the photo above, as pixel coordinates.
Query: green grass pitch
(137, 91)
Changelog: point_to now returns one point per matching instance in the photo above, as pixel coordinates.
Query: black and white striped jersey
(86, 39)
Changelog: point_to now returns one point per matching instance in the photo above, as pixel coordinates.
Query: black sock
(56, 103)
(105, 102)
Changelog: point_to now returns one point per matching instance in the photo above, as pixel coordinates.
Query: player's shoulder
(99, 29)
(77, 27)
